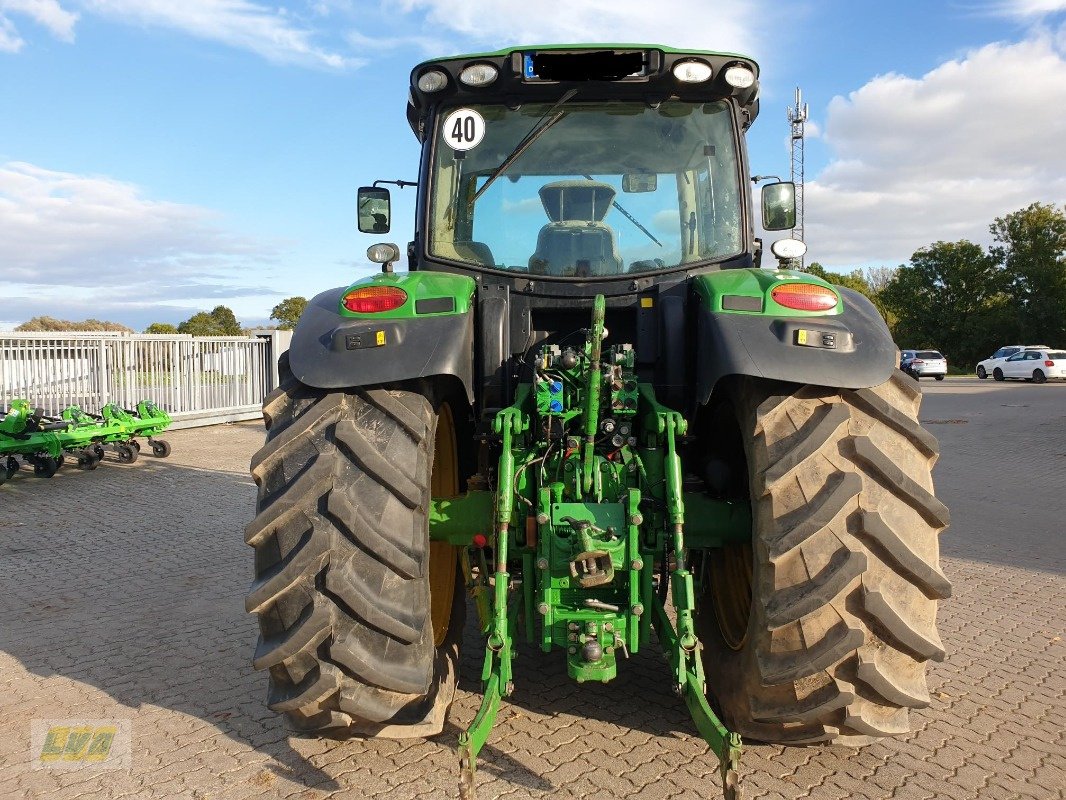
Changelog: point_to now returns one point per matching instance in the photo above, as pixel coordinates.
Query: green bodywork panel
(419, 286)
(713, 286)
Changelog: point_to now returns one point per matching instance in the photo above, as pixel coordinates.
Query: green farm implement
(597, 424)
(44, 442)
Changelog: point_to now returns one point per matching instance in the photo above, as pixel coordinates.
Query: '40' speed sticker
(463, 129)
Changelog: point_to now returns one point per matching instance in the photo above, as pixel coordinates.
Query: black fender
(850, 350)
(329, 351)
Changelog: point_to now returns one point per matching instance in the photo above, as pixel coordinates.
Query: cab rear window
(1058, 355)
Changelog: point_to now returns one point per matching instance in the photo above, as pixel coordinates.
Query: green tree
(161, 327)
(950, 298)
(1031, 248)
(220, 321)
(288, 311)
(200, 324)
(227, 321)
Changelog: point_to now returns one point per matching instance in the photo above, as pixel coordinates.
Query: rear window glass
(929, 354)
(1058, 354)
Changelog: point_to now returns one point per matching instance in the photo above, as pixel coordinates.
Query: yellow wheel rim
(444, 482)
(731, 571)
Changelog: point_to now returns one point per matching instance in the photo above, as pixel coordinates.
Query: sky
(158, 158)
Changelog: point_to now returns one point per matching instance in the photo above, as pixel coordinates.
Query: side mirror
(779, 206)
(375, 209)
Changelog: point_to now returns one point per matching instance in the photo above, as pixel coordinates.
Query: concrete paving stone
(168, 644)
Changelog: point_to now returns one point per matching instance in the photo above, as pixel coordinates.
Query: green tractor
(589, 407)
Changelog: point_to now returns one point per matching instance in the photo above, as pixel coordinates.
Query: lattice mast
(797, 116)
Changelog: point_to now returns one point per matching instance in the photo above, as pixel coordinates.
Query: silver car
(923, 364)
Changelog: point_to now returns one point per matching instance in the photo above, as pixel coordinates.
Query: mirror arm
(401, 184)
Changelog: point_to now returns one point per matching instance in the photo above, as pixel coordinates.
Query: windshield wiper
(550, 117)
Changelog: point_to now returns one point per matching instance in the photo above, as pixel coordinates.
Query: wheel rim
(444, 482)
(731, 570)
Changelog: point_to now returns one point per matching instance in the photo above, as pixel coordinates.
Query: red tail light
(1049, 363)
(374, 299)
(804, 296)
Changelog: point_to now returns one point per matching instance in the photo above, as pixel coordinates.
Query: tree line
(966, 301)
(219, 321)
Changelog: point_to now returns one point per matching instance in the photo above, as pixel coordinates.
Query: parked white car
(984, 368)
(923, 364)
(1033, 365)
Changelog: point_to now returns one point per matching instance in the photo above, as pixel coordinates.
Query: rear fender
(430, 334)
(742, 331)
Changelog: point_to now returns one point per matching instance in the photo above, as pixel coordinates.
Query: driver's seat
(576, 243)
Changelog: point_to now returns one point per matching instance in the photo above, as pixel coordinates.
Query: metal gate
(198, 380)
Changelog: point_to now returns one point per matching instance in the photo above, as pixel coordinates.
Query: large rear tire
(346, 590)
(821, 630)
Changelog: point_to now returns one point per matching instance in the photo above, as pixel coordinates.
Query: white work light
(478, 75)
(692, 71)
(432, 80)
(739, 77)
(788, 249)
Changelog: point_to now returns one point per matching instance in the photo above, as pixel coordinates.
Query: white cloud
(729, 24)
(47, 13)
(939, 157)
(276, 35)
(236, 23)
(76, 246)
(62, 228)
(1028, 9)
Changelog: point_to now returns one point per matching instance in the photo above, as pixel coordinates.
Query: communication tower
(797, 116)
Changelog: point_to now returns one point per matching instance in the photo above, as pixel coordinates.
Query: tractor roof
(544, 73)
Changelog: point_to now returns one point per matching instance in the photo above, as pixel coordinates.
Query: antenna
(797, 115)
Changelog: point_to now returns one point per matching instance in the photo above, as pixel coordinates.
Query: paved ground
(121, 596)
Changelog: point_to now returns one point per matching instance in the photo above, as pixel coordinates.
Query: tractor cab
(635, 154)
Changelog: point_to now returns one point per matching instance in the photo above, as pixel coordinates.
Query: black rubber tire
(160, 448)
(940, 377)
(134, 444)
(1039, 376)
(126, 454)
(997, 374)
(45, 466)
(981, 373)
(99, 450)
(342, 588)
(846, 572)
(12, 466)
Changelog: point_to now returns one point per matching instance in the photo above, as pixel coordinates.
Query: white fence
(197, 380)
